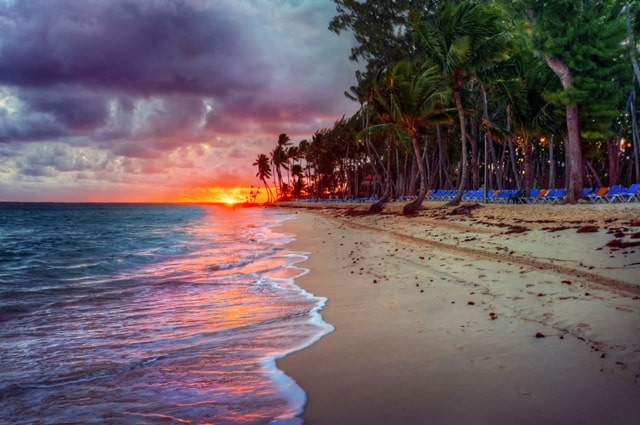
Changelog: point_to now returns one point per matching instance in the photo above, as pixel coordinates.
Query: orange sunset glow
(222, 195)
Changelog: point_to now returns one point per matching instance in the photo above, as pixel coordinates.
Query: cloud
(138, 83)
(144, 47)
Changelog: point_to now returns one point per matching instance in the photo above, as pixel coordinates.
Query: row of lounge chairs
(613, 194)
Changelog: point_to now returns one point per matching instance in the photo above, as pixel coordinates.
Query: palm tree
(412, 101)
(264, 174)
(279, 159)
(463, 38)
(298, 175)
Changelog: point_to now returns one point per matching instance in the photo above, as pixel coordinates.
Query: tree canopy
(544, 94)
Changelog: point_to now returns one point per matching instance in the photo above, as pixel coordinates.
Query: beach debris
(377, 207)
(588, 229)
(471, 303)
(464, 209)
(555, 229)
(493, 316)
(539, 335)
(566, 282)
(516, 229)
(411, 208)
(617, 243)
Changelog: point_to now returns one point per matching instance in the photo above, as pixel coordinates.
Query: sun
(230, 196)
(228, 200)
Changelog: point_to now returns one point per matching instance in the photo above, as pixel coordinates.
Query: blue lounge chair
(597, 195)
(554, 196)
(630, 194)
(533, 195)
(612, 192)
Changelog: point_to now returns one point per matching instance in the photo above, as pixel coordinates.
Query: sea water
(145, 314)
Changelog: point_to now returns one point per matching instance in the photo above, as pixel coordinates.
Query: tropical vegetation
(494, 94)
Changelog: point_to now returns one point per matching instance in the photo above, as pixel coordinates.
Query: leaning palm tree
(411, 100)
(463, 38)
(264, 174)
(280, 159)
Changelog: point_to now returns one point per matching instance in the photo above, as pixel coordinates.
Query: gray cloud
(144, 47)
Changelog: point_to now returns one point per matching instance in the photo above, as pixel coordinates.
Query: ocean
(147, 314)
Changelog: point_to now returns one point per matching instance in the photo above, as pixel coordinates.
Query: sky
(160, 100)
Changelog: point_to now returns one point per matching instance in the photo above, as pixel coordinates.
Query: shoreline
(446, 319)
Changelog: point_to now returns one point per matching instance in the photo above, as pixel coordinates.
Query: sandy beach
(502, 314)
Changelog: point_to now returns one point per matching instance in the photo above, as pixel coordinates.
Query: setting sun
(227, 199)
(223, 195)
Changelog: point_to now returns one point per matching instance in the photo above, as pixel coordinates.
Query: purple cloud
(127, 81)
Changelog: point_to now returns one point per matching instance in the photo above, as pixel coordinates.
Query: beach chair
(492, 195)
(533, 194)
(596, 195)
(587, 191)
(542, 198)
(630, 194)
(516, 197)
(554, 196)
(473, 195)
(559, 195)
(539, 199)
(611, 193)
(502, 197)
(436, 195)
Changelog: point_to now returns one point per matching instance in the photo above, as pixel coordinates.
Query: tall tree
(413, 100)
(581, 42)
(264, 174)
(463, 38)
(280, 160)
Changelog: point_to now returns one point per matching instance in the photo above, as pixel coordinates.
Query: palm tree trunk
(613, 148)
(527, 148)
(552, 164)
(631, 106)
(489, 142)
(412, 207)
(475, 156)
(574, 152)
(463, 160)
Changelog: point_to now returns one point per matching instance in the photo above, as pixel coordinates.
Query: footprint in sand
(625, 309)
(525, 395)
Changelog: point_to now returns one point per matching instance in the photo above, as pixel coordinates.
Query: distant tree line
(469, 94)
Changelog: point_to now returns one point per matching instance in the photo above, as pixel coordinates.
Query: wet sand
(502, 314)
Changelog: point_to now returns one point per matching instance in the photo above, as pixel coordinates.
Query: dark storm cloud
(76, 111)
(260, 60)
(31, 127)
(146, 47)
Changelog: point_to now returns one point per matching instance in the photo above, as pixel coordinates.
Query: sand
(509, 314)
